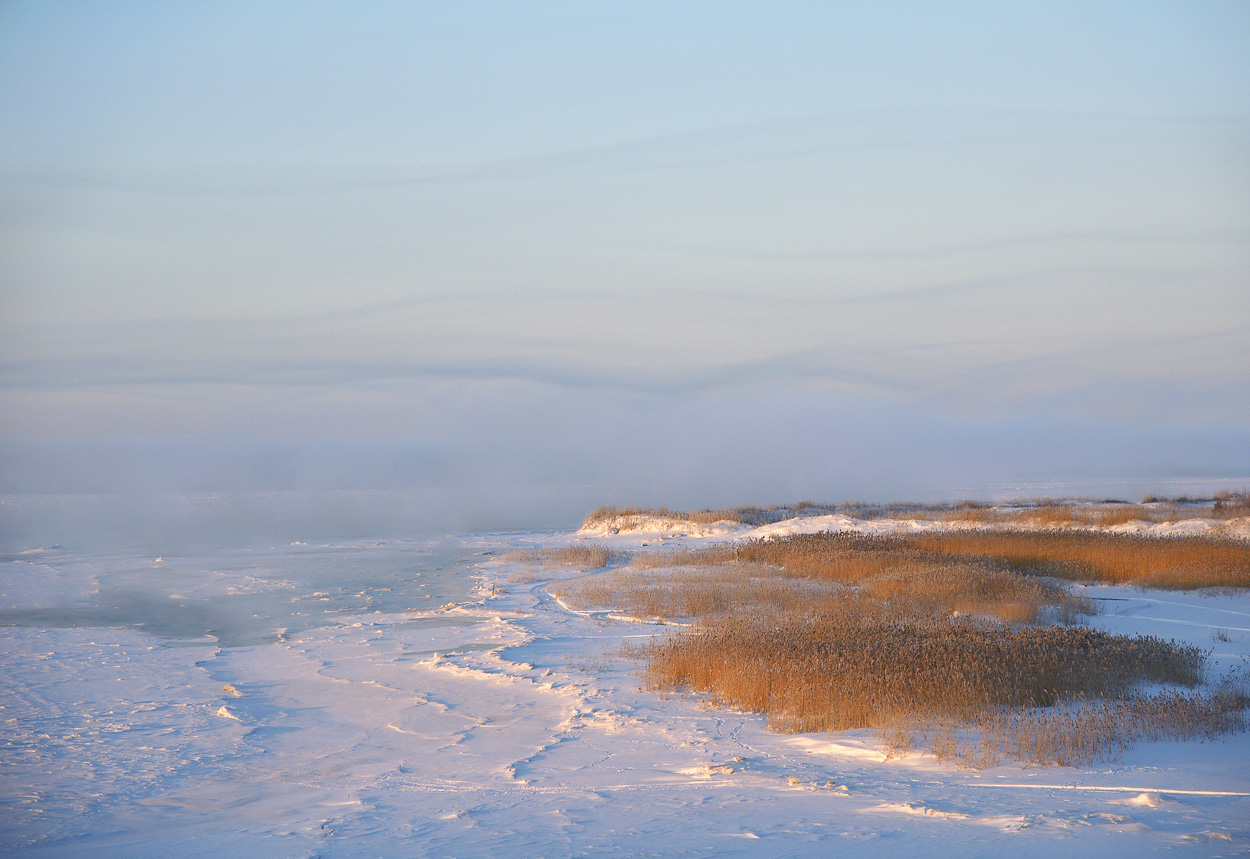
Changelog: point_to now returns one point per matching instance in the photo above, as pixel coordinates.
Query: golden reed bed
(959, 642)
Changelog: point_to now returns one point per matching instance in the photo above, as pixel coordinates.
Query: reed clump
(880, 570)
(1036, 513)
(1072, 733)
(972, 514)
(1178, 563)
(855, 665)
(697, 592)
(588, 555)
(1231, 505)
(1112, 516)
(745, 515)
(972, 691)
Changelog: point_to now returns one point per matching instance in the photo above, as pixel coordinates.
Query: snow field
(509, 724)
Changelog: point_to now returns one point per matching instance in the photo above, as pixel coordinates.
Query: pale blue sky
(519, 228)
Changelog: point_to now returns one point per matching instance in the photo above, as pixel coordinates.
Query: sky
(523, 259)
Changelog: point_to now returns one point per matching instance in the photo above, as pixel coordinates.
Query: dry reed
(973, 692)
(589, 555)
(1177, 563)
(926, 641)
(696, 592)
(1231, 505)
(1035, 513)
(1162, 562)
(933, 638)
(886, 570)
(746, 515)
(855, 665)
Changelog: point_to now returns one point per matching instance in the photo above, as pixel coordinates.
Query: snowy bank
(670, 528)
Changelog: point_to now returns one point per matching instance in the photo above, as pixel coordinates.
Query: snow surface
(668, 528)
(435, 708)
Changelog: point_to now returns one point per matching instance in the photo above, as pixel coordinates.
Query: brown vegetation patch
(1162, 562)
(929, 638)
(886, 570)
(1231, 505)
(1159, 562)
(697, 592)
(855, 665)
(1035, 513)
(971, 691)
(747, 515)
(588, 555)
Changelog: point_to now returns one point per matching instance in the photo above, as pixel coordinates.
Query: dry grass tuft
(1177, 563)
(972, 514)
(1051, 513)
(1078, 732)
(973, 692)
(1050, 516)
(695, 592)
(882, 570)
(744, 515)
(1120, 515)
(589, 555)
(854, 665)
(1231, 505)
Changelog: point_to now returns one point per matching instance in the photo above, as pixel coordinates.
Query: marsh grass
(934, 639)
(887, 570)
(747, 515)
(588, 555)
(1071, 732)
(700, 593)
(971, 691)
(1110, 517)
(1231, 505)
(854, 665)
(584, 556)
(1034, 513)
(1178, 563)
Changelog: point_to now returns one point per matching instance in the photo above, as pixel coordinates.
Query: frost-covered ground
(425, 699)
(667, 528)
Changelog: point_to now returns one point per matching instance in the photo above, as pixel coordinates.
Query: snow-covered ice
(422, 698)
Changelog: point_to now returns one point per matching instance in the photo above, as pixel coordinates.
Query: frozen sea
(148, 696)
(420, 697)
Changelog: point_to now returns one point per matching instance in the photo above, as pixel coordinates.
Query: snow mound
(636, 523)
(806, 525)
(669, 527)
(1233, 529)
(1237, 529)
